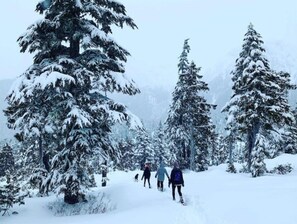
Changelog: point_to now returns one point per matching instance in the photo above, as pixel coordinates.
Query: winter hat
(175, 164)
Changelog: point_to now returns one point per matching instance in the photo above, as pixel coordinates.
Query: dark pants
(178, 190)
(160, 184)
(148, 180)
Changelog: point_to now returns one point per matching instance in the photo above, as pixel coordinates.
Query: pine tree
(10, 194)
(173, 151)
(222, 150)
(62, 97)
(144, 153)
(202, 131)
(175, 128)
(27, 166)
(289, 143)
(258, 166)
(231, 168)
(6, 160)
(127, 157)
(188, 125)
(214, 149)
(160, 146)
(259, 100)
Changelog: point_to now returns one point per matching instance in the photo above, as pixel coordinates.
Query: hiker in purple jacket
(177, 181)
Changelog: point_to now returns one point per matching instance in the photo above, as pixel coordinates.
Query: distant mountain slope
(152, 104)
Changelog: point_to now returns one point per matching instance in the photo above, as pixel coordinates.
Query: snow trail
(212, 197)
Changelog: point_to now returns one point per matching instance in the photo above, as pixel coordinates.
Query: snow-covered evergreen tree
(188, 125)
(258, 166)
(259, 100)
(127, 159)
(289, 141)
(202, 131)
(231, 168)
(62, 97)
(9, 193)
(214, 149)
(172, 152)
(175, 124)
(222, 150)
(160, 146)
(26, 164)
(7, 163)
(144, 152)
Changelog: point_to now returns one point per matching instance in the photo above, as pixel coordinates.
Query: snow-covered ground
(212, 197)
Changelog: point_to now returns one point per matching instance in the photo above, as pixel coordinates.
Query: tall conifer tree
(259, 101)
(62, 97)
(188, 125)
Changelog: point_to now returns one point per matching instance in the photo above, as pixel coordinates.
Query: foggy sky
(215, 29)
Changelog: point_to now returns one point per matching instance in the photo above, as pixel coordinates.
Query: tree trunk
(251, 143)
(230, 146)
(104, 174)
(74, 48)
(192, 154)
(40, 151)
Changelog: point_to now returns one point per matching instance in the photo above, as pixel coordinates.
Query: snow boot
(181, 200)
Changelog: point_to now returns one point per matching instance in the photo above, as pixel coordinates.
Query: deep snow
(212, 197)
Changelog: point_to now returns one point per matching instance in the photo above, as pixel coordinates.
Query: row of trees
(259, 123)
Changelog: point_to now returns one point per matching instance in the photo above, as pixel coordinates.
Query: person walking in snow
(177, 181)
(160, 175)
(146, 175)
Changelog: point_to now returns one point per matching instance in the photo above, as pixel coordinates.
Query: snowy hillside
(212, 197)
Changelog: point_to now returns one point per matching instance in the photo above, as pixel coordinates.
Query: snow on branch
(50, 78)
(82, 118)
(124, 84)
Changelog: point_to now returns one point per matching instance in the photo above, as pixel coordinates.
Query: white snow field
(212, 197)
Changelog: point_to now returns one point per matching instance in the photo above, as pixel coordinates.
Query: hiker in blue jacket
(177, 181)
(160, 175)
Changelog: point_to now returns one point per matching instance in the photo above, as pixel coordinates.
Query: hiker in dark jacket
(177, 181)
(146, 175)
(161, 172)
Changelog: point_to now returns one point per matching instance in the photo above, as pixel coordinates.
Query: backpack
(177, 177)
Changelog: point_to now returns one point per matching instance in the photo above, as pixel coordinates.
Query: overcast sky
(215, 28)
